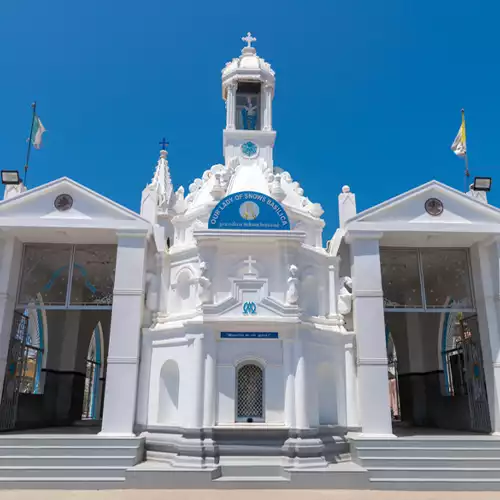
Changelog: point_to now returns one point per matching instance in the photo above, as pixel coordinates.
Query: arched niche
(168, 397)
(327, 397)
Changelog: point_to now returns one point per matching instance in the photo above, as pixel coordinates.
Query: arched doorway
(92, 394)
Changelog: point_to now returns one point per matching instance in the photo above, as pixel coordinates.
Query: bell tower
(248, 89)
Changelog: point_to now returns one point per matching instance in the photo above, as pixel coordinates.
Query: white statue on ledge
(205, 285)
(345, 296)
(292, 293)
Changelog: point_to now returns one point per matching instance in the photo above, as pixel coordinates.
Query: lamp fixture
(10, 177)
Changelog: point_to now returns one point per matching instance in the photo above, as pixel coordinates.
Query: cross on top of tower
(249, 39)
(163, 143)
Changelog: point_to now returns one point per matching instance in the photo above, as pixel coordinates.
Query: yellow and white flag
(459, 146)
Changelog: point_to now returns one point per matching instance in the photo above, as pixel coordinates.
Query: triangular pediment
(410, 207)
(249, 300)
(88, 208)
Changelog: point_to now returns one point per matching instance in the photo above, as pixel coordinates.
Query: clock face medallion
(434, 207)
(249, 149)
(63, 202)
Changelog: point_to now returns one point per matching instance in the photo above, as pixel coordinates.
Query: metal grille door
(474, 377)
(250, 392)
(13, 370)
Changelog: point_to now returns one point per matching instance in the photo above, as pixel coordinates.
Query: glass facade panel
(93, 275)
(400, 278)
(45, 271)
(447, 278)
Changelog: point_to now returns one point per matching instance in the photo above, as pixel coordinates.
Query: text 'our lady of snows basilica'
(216, 334)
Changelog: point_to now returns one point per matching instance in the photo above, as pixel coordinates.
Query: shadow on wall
(168, 397)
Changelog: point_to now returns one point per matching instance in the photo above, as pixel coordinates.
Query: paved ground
(243, 495)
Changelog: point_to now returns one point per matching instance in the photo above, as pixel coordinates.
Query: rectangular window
(62, 276)
(400, 278)
(426, 279)
(446, 278)
(44, 275)
(93, 275)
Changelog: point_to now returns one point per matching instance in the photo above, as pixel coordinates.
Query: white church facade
(218, 340)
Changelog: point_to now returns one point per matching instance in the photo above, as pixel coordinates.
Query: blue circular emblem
(249, 149)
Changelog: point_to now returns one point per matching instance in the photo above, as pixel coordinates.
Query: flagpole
(30, 140)
(466, 157)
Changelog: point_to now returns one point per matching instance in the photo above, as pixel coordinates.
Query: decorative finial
(346, 189)
(249, 39)
(163, 154)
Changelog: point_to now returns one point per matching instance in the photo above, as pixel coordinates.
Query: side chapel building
(213, 339)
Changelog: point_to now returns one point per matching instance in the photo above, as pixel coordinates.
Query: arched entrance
(92, 395)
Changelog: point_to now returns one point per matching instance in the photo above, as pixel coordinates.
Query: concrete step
(251, 482)
(61, 472)
(441, 473)
(270, 471)
(66, 483)
(67, 460)
(69, 440)
(430, 484)
(440, 462)
(80, 451)
(392, 452)
(479, 441)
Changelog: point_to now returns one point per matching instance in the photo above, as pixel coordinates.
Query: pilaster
(485, 261)
(289, 376)
(126, 318)
(10, 269)
(369, 325)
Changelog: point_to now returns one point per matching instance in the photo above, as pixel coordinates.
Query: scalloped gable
(38, 205)
(410, 207)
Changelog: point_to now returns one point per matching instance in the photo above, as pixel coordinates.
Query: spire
(162, 182)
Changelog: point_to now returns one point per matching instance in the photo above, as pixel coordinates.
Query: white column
(485, 262)
(196, 375)
(126, 318)
(301, 407)
(267, 108)
(230, 106)
(289, 379)
(10, 268)
(332, 291)
(143, 387)
(351, 382)
(369, 325)
(210, 396)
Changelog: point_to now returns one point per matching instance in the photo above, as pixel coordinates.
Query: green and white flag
(37, 132)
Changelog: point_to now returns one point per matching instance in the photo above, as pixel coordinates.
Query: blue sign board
(249, 335)
(248, 210)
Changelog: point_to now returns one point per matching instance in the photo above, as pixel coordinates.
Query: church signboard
(249, 210)
(249, 335)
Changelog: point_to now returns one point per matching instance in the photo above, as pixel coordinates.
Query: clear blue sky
(368, 93)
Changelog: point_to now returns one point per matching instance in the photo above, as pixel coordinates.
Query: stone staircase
(67, 461)
(461, 462)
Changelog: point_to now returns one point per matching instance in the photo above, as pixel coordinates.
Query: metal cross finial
(249, 39)
(163, 143)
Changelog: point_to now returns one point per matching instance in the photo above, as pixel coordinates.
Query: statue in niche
(249, 115)
(152, 294)
(292, 293)
(344, 304)
(205, 284)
